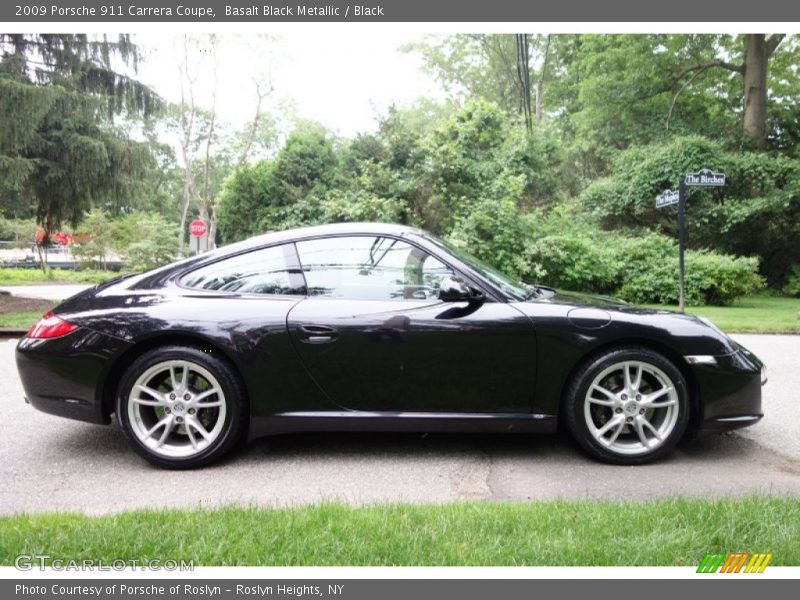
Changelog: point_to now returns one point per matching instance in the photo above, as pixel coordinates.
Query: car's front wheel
(181, 407)
(628, 406)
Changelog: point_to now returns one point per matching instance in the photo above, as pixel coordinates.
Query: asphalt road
(48, 463)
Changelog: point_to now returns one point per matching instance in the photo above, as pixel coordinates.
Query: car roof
(318, 230)
(159, 275)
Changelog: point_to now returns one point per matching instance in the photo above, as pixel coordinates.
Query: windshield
(516, 289)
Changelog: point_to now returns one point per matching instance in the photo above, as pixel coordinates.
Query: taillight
(50, 326)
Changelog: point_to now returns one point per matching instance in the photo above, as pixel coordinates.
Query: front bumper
(64, 376)
(730, 390)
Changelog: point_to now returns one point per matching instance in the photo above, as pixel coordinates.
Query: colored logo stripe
(735, 562)
(710, 563)
(758, 563)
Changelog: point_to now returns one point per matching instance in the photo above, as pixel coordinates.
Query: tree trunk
(212, 225)
(540, 82)
(187, 198)
(524, 77)
(209, 220)
(538, 111)
(755, 88)
(42, 257)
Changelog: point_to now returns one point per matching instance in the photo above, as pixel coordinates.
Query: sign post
(681, 244)
(198, 229)
(703, 178)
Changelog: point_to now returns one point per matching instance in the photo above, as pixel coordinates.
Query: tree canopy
(60, 153)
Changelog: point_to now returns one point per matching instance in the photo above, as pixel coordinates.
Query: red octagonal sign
(198, 228)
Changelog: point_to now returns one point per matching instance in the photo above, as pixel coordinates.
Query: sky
(341, 79)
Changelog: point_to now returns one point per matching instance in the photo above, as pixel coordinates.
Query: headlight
(763, 374)
(701, 359)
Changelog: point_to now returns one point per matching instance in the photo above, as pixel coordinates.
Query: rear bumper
(730, 391)
(64, 376)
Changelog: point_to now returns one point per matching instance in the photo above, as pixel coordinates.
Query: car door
(247, 298)
(375, 336)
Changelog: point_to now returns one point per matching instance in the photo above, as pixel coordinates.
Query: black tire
(575, 407)
(236, 417)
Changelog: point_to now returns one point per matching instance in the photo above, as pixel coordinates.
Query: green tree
(479, 154)
(146, 240)
(248, 198)
(307, 162)
(637, 89)
(283, 192)
(95, 237)
(495, 68)
(60, 152)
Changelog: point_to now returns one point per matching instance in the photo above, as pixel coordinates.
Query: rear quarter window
(274, 271)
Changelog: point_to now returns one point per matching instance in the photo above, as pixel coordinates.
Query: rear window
(273, 270)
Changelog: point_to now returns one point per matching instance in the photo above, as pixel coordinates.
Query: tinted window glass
(515, 289)
(370, 268)
(268, 271)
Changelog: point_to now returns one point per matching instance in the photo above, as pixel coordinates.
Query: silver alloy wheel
(177, 408)
(631, 407)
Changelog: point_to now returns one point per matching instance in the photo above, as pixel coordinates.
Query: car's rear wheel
(181, 407)
(628, 406)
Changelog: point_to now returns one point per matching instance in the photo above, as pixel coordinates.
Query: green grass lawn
(23, 320)
(658, 532)
(33, 276)
(753, 314)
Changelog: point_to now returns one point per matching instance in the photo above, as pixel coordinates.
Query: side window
(370, 268)
(272, 270)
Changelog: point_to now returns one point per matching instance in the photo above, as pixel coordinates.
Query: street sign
(704, 178)
(668, 198)
(198, 228)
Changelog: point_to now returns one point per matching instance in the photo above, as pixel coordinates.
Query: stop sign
(198, 228)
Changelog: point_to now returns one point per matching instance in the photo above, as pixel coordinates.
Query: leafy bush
(640, 173)
(281, 193)
(357, 205)
(16, 276)
(574, 262)
(497, 233)
(718, 279)
(431, 176)
(98, 233)
(146, 240)
(248, 197)
(17, 230)
(711, 278)
(792, 287)
(762, 194)
(561, 249)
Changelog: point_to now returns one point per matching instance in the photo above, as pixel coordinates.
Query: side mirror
(455, 289)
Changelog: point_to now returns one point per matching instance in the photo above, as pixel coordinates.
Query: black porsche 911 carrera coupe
(375, 327)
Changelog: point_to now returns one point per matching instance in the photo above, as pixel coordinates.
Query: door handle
(318, 334)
